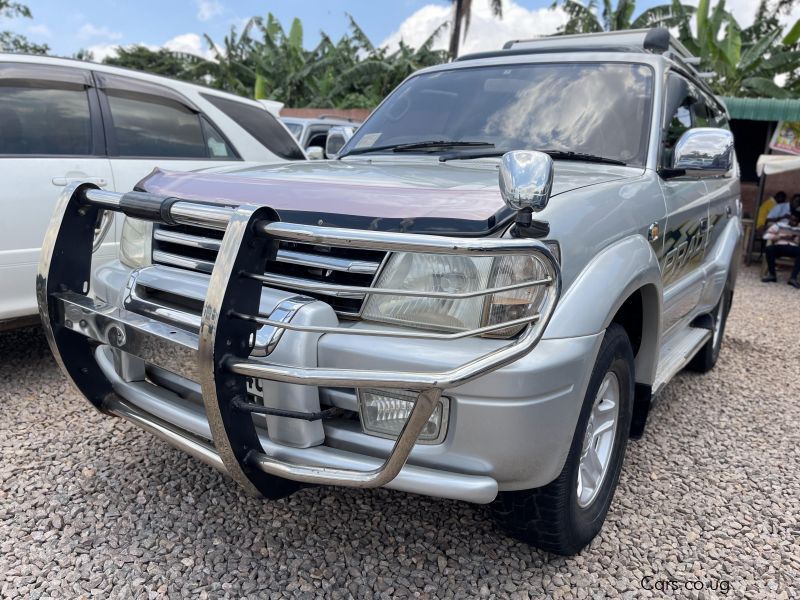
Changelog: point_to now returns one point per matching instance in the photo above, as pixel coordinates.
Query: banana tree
(585, 18)
(741, 62)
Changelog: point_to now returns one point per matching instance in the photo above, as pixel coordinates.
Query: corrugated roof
(763, 109)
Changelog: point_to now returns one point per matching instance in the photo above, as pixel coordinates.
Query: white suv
(62, 120)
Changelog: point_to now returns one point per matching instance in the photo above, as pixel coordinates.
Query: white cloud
(100, 52)
(91, 31)
(191, 43)
(208, 9)
(486, 32)
(40, 30)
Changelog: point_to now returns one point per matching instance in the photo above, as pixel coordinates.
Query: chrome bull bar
(219, 354)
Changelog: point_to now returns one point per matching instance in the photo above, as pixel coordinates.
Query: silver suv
(477, 300)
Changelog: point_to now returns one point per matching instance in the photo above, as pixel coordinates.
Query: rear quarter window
(261, 125)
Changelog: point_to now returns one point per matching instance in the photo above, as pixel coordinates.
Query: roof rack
(656, 40)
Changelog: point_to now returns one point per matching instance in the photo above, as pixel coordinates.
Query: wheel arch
(629, 268)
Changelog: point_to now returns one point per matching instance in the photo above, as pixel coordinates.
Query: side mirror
(338, 136)
(526, 178)
(315, 153)
(704, 152)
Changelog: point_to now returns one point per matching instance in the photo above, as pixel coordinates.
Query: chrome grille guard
(76, 324)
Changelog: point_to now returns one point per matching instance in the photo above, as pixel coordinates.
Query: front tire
(566, 514)
(707, 356)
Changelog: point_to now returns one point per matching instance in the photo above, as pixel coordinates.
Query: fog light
(384, 413)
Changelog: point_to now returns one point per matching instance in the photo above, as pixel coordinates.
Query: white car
(63, 120)
(313, 132)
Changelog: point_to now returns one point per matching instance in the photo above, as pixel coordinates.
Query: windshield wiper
(557, 154)
(570, 155)
(410, 147)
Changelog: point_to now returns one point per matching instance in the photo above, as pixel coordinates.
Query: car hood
(401, 194)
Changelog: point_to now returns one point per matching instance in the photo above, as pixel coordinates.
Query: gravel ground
(91, 506)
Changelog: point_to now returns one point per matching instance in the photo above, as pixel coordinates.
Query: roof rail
(656, 40)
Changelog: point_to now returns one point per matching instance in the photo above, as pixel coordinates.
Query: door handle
(62, 181)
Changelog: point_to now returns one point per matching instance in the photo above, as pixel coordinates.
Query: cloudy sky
(101, 25)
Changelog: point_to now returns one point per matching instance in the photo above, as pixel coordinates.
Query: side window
(318, 138)
(148, 126)
(703, 116)
(677, 116)
(44, 118)
(216, 143)
(261, 125)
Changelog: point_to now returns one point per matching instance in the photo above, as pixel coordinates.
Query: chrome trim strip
(460, 335)
(403, 242)
(308, 285)
(410, 380)
(185, 239)
(194, 264)
(362, 267)
(348, 291)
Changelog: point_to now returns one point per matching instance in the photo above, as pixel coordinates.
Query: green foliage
(13, 42)
(744, 62)
(584, 18)
(159, 62)
(264, 61)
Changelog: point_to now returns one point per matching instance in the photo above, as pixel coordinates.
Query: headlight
(135, 242)
(457, 274)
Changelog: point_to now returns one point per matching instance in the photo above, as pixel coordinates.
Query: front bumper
(513, 411)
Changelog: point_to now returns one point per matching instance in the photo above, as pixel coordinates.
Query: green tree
(14, 42)
(584, 18)
(266, 61)
(462, 11)
(742, 62)
(159, 62)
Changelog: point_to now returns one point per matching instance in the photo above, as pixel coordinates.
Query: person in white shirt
(781, 209)
(785, 238)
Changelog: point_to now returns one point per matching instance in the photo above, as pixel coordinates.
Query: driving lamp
(135, 242)
(384, 413)
(445, 274)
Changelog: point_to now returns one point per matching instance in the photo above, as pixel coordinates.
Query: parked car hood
(417, 194)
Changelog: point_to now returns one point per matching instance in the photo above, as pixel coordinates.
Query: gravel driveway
(709, 498)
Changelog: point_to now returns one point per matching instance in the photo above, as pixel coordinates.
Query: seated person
(763, 210)
(780, 210)
(785, 238)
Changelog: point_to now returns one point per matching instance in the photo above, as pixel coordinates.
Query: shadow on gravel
(17, 345)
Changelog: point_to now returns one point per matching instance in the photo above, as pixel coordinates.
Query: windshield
(295, 129)
(599, 109)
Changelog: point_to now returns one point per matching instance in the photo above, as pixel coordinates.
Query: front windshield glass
(601, 109)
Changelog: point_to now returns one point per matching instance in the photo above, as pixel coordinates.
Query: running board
(677, 353)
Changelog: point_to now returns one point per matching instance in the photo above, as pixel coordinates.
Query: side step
(677, 353)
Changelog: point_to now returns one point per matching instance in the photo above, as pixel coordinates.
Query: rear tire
(707, 356)
(564, 516)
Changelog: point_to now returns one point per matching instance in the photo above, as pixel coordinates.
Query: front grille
(296, 265)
